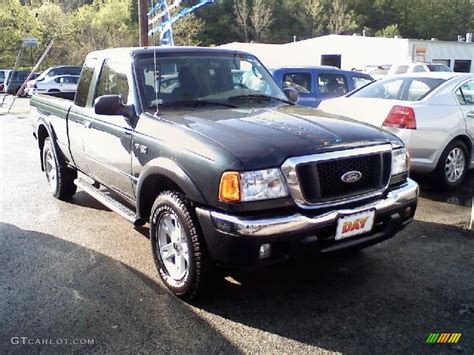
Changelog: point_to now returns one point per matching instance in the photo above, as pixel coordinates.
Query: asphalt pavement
(76, 277)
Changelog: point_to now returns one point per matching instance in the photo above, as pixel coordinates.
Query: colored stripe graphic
(443, 338)
(432, 338)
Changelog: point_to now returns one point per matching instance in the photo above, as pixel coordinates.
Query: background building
(348, 52)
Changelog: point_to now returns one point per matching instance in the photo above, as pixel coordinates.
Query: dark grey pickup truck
(228, 171)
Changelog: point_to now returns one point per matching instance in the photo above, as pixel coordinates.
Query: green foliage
(80, 26)
(390, 31)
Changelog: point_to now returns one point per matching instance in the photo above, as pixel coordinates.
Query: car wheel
(177, 245)
(452, 165)
(60, 179)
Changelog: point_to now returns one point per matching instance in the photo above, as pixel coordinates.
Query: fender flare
(171, 170)
(42, 122)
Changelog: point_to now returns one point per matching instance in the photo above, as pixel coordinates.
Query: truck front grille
(322, 181)
(319, 177)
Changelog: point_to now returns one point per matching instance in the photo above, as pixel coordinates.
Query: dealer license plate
(354, 224)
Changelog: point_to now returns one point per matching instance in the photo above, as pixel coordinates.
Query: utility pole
(143, 23)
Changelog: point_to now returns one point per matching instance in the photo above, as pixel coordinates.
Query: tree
(261, 18)
(242, 17)
(187, 31)
(314, 11)
(340, 19)
(389, 31)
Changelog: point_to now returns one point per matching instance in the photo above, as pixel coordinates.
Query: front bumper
(235, 240)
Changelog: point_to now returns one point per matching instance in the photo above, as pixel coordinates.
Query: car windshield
(439, 67)
(180, 79)
(405, 89)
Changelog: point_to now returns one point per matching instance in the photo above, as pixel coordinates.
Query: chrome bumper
(263, 227)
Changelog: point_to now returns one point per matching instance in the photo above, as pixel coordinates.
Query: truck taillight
(401, 117)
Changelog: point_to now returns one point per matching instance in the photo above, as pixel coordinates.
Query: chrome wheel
(51, 170)
(173, 246)
(455, 165)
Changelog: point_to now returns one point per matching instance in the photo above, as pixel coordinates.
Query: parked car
(417, 67)
(316, 84)
(226, 175)
(51, 72)
(3, 76)
(376, 71)
(16, 79)
(433, 113)
(60, 83)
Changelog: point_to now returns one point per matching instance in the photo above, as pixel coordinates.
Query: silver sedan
(433, 113)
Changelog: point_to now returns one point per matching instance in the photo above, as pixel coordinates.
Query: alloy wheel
(455, 165)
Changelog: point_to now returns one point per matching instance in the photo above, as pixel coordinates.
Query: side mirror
(292, 94)
(113, 105)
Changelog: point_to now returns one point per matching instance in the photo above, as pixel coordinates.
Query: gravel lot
(77, 272)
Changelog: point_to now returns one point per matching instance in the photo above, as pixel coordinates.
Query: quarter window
(332, 84)
(85, 82)
(113, 80)
(465, 93)
(298, 81)
(402, 69)
(418, 69)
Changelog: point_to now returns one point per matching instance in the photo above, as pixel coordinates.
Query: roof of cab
(133, 51)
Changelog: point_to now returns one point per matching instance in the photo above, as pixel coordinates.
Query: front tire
(177, 245)
(452, 165)
(60, 179)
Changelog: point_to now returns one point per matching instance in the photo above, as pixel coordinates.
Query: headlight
(252, 185)
(400, 161)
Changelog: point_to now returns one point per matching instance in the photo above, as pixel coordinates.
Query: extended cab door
(76, 119)
(108, 140)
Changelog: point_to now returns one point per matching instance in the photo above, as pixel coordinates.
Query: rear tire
(177, 245)
(60, 179)
(452, 165)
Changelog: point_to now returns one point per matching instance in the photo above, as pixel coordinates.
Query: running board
(108, 201)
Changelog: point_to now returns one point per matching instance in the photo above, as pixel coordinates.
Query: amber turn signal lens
(229, 188)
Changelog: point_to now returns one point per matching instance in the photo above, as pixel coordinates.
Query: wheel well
(42, 135)
(151, 188)
(467, 141)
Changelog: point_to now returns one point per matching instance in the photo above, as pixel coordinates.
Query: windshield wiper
(193, 103)
(258, 97)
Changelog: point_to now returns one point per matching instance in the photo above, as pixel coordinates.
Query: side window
(417, 90)
(402, 69)
(113, 80)
(58, 80)
(84, 83)
(359, 81)
(418, 69)
(465, 93)
(332, 84)
(298, 81)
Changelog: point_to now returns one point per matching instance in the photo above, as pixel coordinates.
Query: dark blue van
(316, 84)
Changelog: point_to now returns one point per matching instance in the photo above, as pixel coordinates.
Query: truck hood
(266, 136)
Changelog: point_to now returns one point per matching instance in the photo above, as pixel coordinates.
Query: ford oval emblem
(351, 176)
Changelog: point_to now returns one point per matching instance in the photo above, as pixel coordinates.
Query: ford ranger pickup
(228, 171)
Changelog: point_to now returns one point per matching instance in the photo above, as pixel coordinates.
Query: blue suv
(319, 83)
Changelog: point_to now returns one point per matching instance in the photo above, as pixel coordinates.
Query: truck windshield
(180, 79)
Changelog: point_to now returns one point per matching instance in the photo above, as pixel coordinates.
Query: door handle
(87, 124)
(470, 114)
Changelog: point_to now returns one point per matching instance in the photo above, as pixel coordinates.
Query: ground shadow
(385, 300)
(431, 189)
(54, 289)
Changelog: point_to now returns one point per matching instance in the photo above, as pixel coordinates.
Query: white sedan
(60, 83)
(433, 113)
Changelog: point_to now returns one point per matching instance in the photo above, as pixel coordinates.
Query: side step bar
(108, 201)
